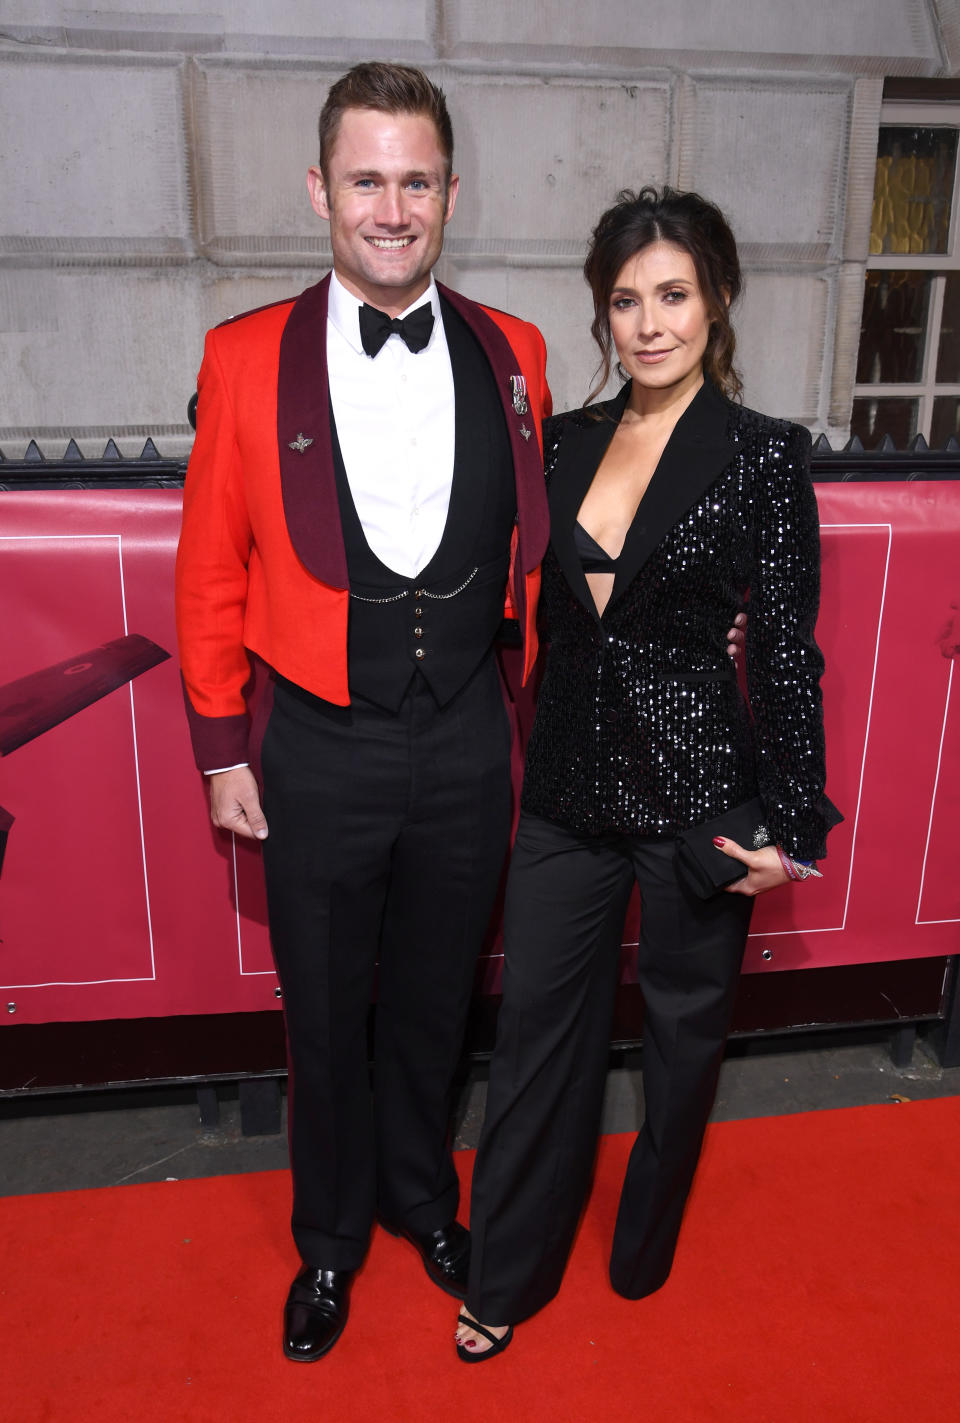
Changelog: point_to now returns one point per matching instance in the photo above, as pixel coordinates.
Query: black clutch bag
(703, 868)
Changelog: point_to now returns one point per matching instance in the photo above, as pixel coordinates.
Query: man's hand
(235, 803)
(735, 636)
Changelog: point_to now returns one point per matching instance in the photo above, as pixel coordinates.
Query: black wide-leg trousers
(387, 838)
(566, 899)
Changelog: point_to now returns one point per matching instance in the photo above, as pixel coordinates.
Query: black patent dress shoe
(445, 1253)
(315, 1313)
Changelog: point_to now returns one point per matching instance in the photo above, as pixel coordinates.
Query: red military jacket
(261, 566)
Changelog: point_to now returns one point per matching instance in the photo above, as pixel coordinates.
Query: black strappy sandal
(497, 1346)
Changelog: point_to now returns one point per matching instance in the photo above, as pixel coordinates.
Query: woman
(667, 504)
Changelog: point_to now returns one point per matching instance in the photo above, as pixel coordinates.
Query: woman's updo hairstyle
(686, 220)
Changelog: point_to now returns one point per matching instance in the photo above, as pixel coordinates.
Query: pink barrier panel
(118, 899)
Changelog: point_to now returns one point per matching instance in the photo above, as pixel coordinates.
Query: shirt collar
(343, 310)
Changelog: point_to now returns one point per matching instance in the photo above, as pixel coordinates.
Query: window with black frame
(908, 366)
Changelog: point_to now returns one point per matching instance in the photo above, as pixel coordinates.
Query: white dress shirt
(395, 420)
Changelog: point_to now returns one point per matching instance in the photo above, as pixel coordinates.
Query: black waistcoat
(441, 623)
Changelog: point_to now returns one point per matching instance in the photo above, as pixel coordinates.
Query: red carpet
(818, 1279)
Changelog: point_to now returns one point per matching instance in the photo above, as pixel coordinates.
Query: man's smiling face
(387, 198)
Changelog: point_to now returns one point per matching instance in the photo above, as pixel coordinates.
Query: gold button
(419, 652)
(418, 612)
(418, 593)
(418, 632)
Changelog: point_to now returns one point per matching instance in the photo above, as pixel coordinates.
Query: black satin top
(593, 556)
(641, 727)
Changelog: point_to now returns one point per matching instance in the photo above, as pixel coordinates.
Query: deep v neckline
(696, 453)
(614, 559)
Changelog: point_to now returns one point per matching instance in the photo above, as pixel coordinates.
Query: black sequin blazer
(640, 727)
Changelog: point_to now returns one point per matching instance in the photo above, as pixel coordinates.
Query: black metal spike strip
(884, 462)
(150, 469)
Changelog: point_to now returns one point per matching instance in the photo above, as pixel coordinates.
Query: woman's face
(659, 320)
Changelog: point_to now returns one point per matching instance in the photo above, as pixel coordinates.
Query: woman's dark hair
(686, 220)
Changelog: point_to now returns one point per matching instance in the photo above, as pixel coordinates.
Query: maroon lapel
(533, 520)
(307, 478)
(303, 409)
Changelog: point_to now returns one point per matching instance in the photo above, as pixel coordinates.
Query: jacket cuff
(803, 833)
(217, 740)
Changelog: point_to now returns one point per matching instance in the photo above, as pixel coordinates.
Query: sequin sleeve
(552, 435)
(783, 662)
(553, 427)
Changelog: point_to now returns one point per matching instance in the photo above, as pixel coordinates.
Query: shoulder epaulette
(254, 311)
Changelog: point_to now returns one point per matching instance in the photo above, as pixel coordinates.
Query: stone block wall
(152, 170)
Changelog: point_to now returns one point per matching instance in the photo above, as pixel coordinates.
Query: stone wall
(152, 175)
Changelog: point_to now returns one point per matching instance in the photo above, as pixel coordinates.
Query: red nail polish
(719, 841)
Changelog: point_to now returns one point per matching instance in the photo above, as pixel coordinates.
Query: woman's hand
(764, 870)
(736, 637)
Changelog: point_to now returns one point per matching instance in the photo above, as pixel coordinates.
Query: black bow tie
(376, 326)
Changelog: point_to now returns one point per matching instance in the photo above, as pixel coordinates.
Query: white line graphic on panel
(136, 767)
(244, 972)
(836, 928)
(933, 803)
(137, 978)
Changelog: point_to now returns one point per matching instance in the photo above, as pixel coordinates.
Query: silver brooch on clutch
(761, 837)
(301, 443)
(518, 389)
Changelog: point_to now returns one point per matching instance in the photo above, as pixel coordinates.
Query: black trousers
(566, 899)
(388, 834)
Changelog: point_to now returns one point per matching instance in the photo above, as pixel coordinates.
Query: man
(366, 472)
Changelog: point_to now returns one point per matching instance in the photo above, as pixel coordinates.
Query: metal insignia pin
(301, 443)
(518, 389)
(525, 432)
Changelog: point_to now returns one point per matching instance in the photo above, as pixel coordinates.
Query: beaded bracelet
(798, 869)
